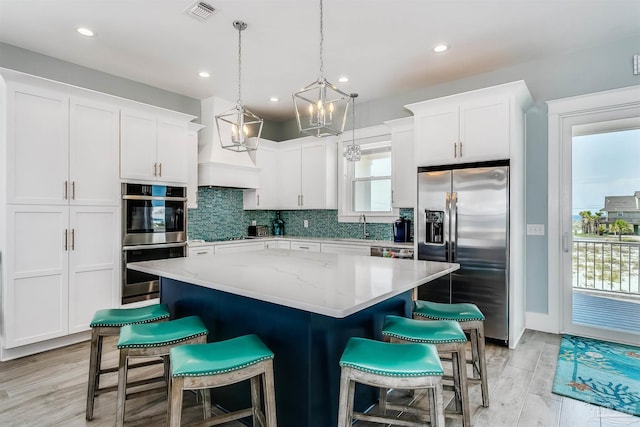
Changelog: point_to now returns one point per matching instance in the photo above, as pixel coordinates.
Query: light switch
(535, 229)
(306, 223)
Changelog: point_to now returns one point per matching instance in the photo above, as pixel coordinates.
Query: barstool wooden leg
(94, 372)
(206, 402)
(461, 362)
(345, 407)
(175, 402)
(483, 366)
(122, 387)
(269, 396)
(436, 402)
(255, 401)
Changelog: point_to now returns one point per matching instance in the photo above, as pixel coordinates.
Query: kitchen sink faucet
(365, 233)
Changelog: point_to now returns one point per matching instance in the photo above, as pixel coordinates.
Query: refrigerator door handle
(454, 225)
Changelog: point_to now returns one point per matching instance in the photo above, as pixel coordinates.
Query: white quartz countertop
(335, 285)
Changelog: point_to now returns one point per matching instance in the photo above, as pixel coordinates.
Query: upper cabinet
(403, 167)
(468, 127)
(267, 196)
(308, 173)
(153, 147)
(63, 150)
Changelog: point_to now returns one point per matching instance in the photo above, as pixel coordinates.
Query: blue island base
(307, 347)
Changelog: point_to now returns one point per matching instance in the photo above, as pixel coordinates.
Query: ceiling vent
(201, 10)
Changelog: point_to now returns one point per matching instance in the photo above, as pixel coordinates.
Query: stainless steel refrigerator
(463, 217)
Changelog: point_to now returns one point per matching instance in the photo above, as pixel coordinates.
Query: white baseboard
(542, 322)
(27, 350)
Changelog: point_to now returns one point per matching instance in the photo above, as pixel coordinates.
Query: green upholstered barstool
(450, 341)
(153, 340)
(385, 365)
(471, 320)
(217, 364)
(108, 323)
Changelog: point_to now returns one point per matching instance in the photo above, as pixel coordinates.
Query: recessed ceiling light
(274, 99)
(343, 79)
(440, 48)
(85, 32)
(204, 74)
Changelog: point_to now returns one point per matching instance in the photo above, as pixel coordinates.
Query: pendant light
(238, 128)
(352, 152)
(321, 108)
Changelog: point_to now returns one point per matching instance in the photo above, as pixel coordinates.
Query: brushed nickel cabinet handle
(455, 150)
(258, 196)
(66, 190)
(202, 253)
(160, 169)
(460, 149)
(155, 169)
(73, 239)
(302, 200)
(66, 239)
(73, 190)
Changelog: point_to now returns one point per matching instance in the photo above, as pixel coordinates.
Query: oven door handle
(154, 246)
(166, 199)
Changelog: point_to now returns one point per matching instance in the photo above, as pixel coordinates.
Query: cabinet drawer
(305, 246)
(239, 247)
(200, 251)
(346, 249)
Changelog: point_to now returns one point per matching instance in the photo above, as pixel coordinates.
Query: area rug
(599, 372)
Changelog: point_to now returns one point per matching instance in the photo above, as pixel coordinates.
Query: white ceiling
(384, 47)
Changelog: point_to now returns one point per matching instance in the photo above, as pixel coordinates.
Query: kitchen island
(304, 306)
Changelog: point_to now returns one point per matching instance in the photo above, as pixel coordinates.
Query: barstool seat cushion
(116, 317)
(396, 360)
(460, 312)
(434, 332)
(144, 335)
(218, 357)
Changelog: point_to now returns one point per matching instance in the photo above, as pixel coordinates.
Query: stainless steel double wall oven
(154, 226)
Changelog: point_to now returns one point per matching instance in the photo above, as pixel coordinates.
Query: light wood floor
(49, 389)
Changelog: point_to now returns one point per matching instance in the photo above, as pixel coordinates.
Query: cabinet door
(265, 197)
(403, 169)
(313, 171)
(484, 130)
(94, 153)
(94, 263)
(35, 295)
(305, 246)
(192, 165)
(137, 145)
(289, 165)
(200, 251)
(38, 146)
(437, 138)
(172, 152)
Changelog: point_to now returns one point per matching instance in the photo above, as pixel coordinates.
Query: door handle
(455, 150)
(160, 169)
(460, 149)
(258, 203)
(454, 215)
(66, 190)
(66, 239)
(155, 169)
(73, 190)
(73, 239)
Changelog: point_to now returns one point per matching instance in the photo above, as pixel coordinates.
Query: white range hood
(218, 167)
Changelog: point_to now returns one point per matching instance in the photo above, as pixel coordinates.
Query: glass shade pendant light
(352, 152)
(321, 108)
(238, 128)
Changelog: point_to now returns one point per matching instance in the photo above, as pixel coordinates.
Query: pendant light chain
(239, 63)
(321, 42)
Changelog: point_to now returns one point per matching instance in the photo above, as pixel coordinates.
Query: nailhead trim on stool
(471, 320)
(217, 364)
(450, 341)
(385, 365)
(108, 322)
(153, 340)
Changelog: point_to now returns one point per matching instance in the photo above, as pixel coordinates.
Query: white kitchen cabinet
(469, 127)
(308, 173)
(238, 247)
(63, 150)
(60, 271)
(305, 246)
(277, 244)
(192, 154)
(403, 168)
(153, 147)
(267, 196)
(337, 248)
(200, 251)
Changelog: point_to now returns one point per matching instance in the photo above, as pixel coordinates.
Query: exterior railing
(606, 266)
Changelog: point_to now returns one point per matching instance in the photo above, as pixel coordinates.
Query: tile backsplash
(220, 215)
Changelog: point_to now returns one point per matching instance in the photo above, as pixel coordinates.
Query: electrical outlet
(253, 222)
(306, 223)
(535, 229)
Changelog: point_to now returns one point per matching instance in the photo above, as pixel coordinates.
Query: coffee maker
(402, 230)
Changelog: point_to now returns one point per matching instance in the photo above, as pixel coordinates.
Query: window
(366, 185)
(371, 179)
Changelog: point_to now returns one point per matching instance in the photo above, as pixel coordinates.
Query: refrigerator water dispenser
(434, 227)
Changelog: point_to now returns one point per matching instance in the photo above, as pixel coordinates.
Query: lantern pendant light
(352, 152)
(321, 108)
(238, 128)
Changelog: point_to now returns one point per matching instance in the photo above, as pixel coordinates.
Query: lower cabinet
(64, 265)
(346, 249)
(200, 251)
(238, 247)
(278, 244)
(305, 246)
